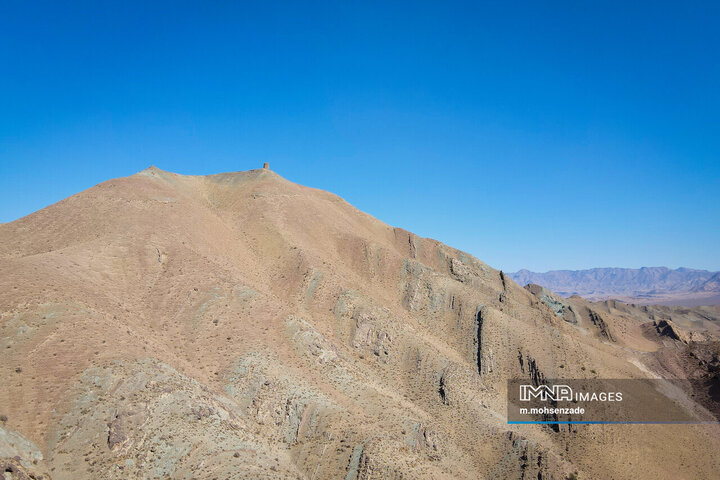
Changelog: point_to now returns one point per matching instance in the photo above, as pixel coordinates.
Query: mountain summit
(242, 326)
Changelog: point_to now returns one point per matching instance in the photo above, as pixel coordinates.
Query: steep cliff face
(241, 326)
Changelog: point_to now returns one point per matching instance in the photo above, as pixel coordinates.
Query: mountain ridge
(639, 285)
(239, 325)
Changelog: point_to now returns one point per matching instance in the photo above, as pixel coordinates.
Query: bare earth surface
(241, 326)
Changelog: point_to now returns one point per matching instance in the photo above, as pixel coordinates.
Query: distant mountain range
(651, 285)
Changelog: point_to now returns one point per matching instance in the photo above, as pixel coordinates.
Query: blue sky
(542, 135)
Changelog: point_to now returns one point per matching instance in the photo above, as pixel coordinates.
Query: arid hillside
(240, 326)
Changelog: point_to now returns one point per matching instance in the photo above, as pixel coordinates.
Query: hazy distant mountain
(641, 285)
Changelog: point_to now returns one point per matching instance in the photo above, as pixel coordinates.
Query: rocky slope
(647, 285)
(242, 326)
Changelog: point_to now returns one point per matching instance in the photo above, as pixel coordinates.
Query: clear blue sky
(542, 135)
